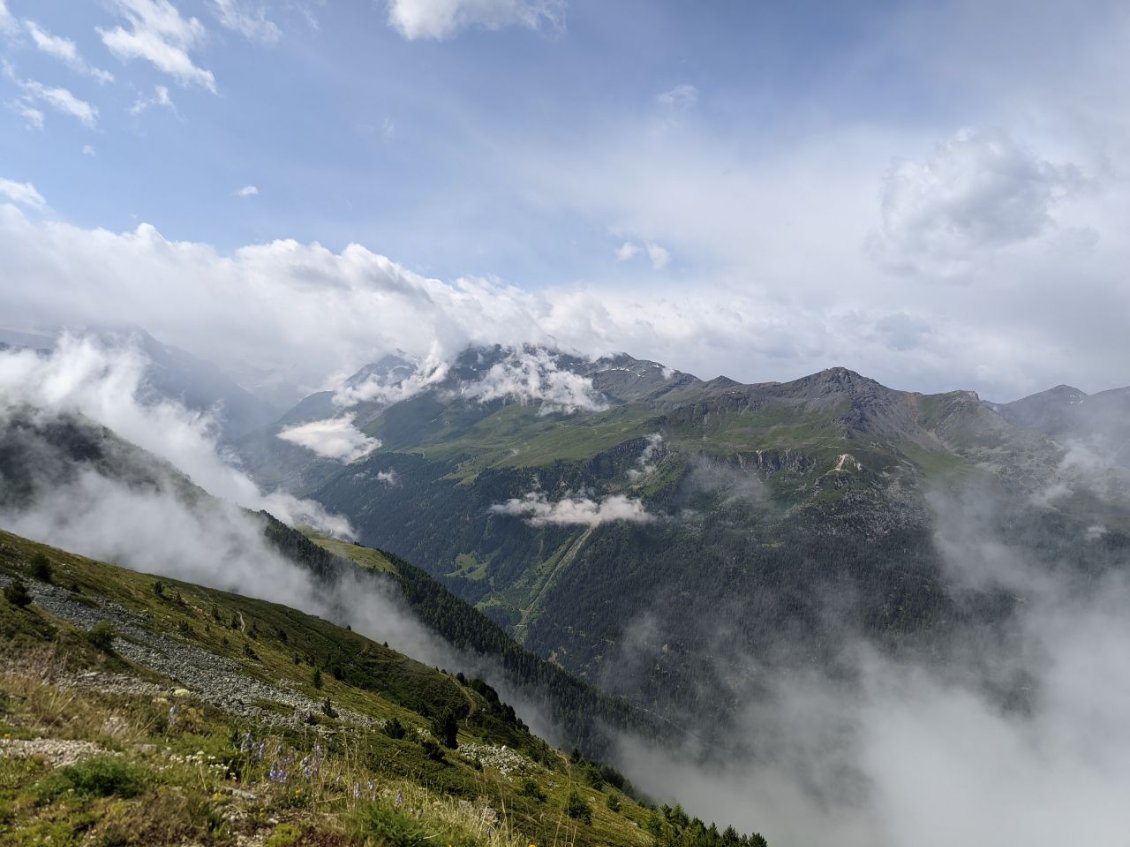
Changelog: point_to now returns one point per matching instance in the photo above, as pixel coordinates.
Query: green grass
(202, 776)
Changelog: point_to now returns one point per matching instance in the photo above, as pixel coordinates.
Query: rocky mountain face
(646, 528)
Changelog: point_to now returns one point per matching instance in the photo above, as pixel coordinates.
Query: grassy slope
(186, 779)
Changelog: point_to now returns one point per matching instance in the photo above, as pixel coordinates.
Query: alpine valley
(631, 560)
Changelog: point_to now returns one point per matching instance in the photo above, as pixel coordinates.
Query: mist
(1018, 738)
(157, 513)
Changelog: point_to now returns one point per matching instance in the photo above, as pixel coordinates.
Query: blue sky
(922, 191)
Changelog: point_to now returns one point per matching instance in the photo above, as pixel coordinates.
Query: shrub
(445, 727)
(577, 808)
(41, 567)
(101, 635)
(17, 594)
(613, 803)
(317, 678)
(98, 776)
(159, 588)
(532, 790)
(328, 709)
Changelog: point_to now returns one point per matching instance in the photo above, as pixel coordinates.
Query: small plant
(316, 679)
(41, 567)
(328, 709)
(532, 790)
(101, 636)
(159, 588)
(577, 808)
(395, 729)
(17, 594)
(613, 803)
(432, 750)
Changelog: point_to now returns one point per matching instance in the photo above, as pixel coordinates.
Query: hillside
(74, 467)
(143, 710)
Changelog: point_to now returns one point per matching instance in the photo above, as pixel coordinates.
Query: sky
(932, 193)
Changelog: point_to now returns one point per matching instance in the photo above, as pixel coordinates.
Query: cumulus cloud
(248, 20)
(158, 34)
(23, 193)
(441, 19)
(334, 438)
(106, 385)
(534, 376)
(980, 190)
(252, 306)
(65, 51)
(247, 191)
(537, 510)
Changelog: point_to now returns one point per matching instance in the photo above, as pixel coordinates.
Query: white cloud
(105, 384)
(440, 19)
(680, 97)
(88, 150)
(161, 99)
(385, 389)
(33, 116)
(335, 438)
(65, 51)
(247, 191)
(388, 477)
(646, 463)
(158, 34)
(59, 99)
(8, 22)
(573, 511)
(23, 193)
(979, 191)
(533, 376)
(248, 20)
(659, 255)
(627, 251)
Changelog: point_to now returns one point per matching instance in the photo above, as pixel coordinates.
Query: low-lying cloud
(537, 510)
(107, 385)
(535, 377)
(334, 438)
(1015, 739)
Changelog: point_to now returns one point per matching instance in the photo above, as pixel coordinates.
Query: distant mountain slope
(606, 511)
